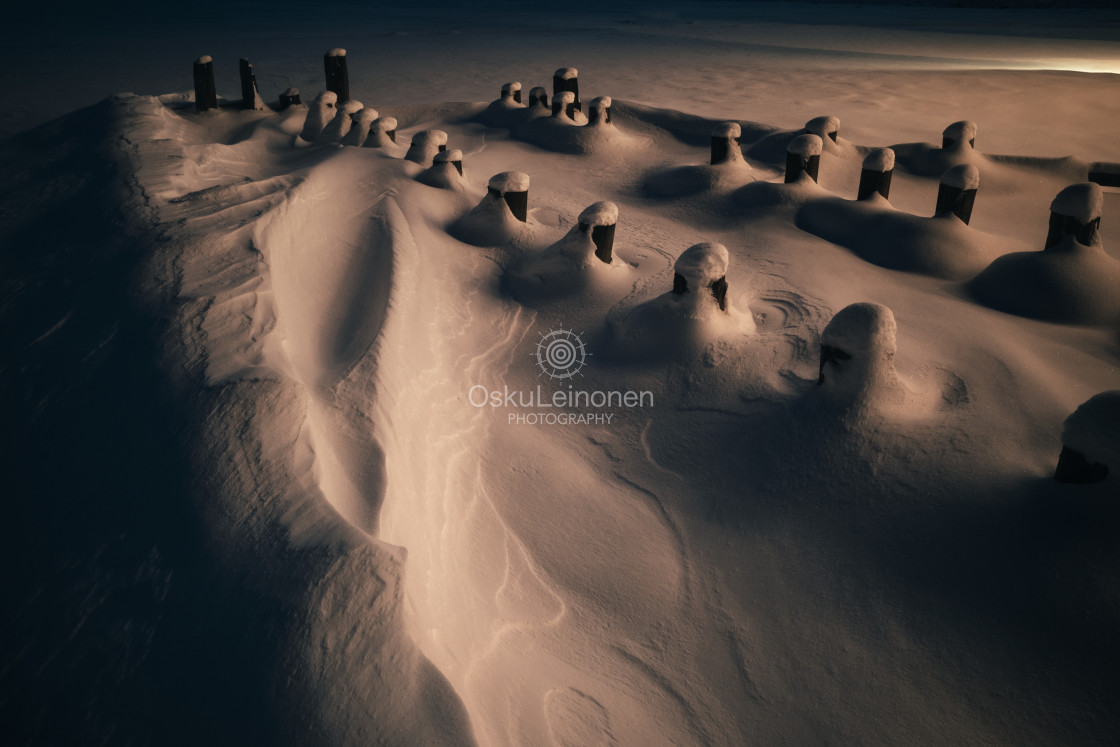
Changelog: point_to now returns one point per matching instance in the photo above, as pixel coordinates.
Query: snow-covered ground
(296, 444)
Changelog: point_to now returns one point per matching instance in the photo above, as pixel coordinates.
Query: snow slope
(242, 375)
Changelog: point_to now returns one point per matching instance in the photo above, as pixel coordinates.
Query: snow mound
(319, 114)
(340, 125)
(425, 145)
(1092, 433)
(359, 127)
(857, 358)
(880, 159)
(382, 133)
(603, 213)
(445, 171)
(963, 176)
(826, 128)
(1069, 281)
(941, 246)
(492, 222)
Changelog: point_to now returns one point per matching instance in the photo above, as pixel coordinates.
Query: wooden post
(823, 127)
(1076, 212)
(725, 143)
(512, 92)
(876, 176)
(249, 97)
(803, 155)
(289, 98)
(959, 133)
(600, 220)
(957, 193)
(600, 111)
(538, 96)
(567, 79)
(205, 94)
(702, 267)
(563, 104)
(513, 187)
(338, 78)
(453, 157)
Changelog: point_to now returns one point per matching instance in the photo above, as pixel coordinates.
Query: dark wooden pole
(205, 95)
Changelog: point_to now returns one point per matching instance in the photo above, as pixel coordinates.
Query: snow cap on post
(1091, 441)
(425, 145)
(823, 127)
(857, 350)
(803, 155)
(702, 266)
(567, 79)
(958, 134)
(322, 111)
(600, 220)
(878, 167)
(205, 94)
(1076, 211)
(957, 193)
(512, 92)
(725, 142)
(513, 187)
(600, 111)
(289, 98)
(337, 75)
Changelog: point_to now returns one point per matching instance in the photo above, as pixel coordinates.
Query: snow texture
(962, 133)
(727, 130)
(702, 264)
(567, 73)
(857, 357)
(510, 181)
(823, 127)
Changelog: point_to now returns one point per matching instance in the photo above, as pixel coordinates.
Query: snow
(205, 59)
(321, 112)
(425, 145)
(602, 213)
(1083, 202)
(805, 145)
(961, 134)
(880, 159)
(359, 127)
(509, 181)
(251, 496)
(963, 176)
(567, 73)
(730, 130)
(1093, 430)
(509, 88)
(824, 127)
(336, 52)
(341, 123)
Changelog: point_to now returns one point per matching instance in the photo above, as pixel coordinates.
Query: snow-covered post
(823, 127)
(857, 351)
(513, 187)
(702, 266)
(876, 174)
(338, 77)
(567, 79)
(959, 133)
(289, 98)
(425, 145)
(205, 94)
(359, 128)
(1091, 441)
(382, 132)
(322, 111)
(538, 96)
(452, 157)
(600, 110)
(1105, 174)
(600, 219)
(563, 104)
(1076, 211)
(725, 142)
(249, 97)
(511, 92)
(803, 155)
(957, 192)
(340, 126)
